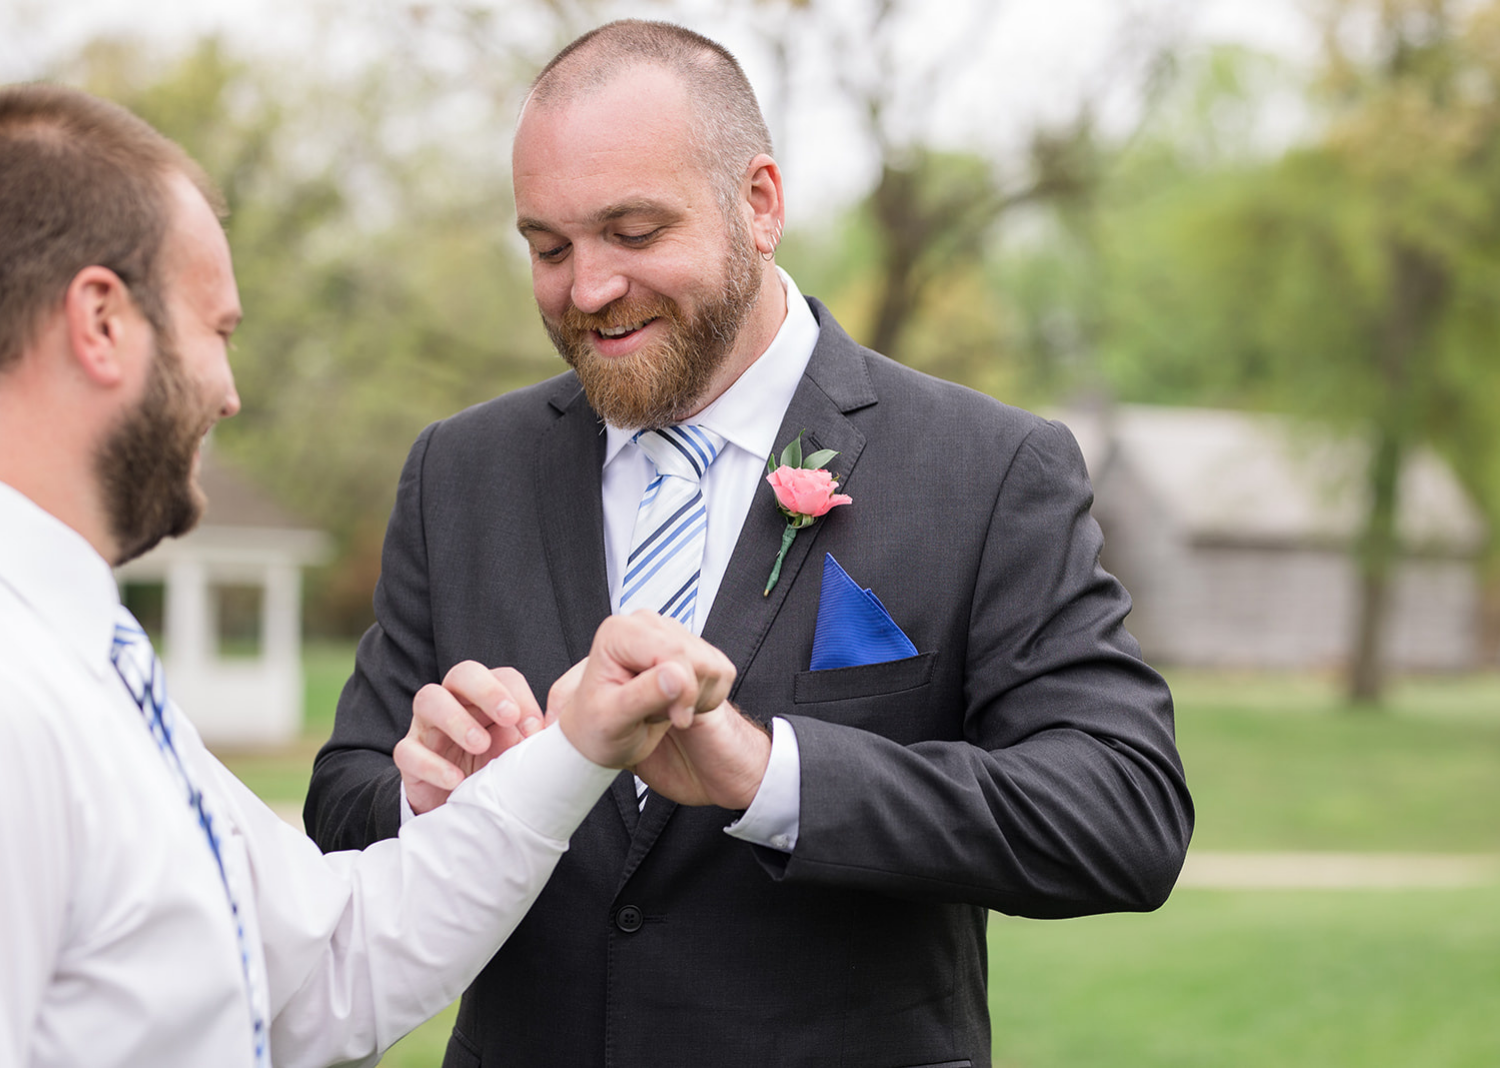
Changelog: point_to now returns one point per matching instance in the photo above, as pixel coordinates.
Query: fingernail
(452, 778)
(476, 740)
(508, 710)
(670, 684)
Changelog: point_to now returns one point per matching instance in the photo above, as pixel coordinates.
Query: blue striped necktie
(666, 549)
(140, 670)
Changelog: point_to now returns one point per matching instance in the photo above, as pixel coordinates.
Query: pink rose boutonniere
(804, 493)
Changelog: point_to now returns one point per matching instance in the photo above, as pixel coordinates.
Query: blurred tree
(934, 212)
(1352, 280)
(381, 278)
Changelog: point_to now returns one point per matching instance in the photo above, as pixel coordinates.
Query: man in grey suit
(1015, 754)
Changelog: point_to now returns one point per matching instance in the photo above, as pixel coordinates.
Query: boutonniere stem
(805, 492)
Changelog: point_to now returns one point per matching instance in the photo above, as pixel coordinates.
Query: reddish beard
(661, 383)
(145, 466)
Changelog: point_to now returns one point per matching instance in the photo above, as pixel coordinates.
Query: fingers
(632, 644)
(643, 675)
(720, 760)
(529, 717)
(475, 688)
(456, 728)
(564, 688)
(441, 711)
(428, 778)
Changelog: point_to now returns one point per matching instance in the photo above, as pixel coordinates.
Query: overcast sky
(1034, 59)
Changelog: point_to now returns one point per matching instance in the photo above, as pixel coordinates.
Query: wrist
(757, 748)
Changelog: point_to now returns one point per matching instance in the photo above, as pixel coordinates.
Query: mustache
(618, 313)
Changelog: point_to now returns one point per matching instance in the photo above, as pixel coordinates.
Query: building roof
(242, 527)
(235, 501)
(1248, 478)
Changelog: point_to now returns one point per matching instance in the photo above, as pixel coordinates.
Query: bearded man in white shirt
(153, 912)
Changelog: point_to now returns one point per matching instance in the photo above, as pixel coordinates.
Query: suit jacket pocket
(867, 680)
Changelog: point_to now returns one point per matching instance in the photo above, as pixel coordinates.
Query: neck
(47, 454)
(760, 329)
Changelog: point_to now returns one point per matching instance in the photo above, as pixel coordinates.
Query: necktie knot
(681, 451)
(138, 667)
(666, 548)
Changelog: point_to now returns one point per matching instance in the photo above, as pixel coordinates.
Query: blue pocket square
(853, 628)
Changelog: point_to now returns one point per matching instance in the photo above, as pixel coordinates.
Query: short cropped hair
(729, 129)
(83, 183)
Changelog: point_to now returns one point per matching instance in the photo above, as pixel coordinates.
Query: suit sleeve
(1065, 795)
(354, 796)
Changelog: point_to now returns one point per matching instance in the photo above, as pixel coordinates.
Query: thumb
(619, 724)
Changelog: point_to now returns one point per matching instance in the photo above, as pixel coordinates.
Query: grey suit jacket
(1023, 761)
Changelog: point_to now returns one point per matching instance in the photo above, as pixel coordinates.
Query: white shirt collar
(60, 576)
(748, 414)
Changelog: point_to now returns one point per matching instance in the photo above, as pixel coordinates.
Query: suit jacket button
(628, 919)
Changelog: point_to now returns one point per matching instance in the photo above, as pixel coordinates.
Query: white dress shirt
(117, 947)
(747, 415)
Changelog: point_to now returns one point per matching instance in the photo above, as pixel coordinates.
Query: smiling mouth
(614, 332)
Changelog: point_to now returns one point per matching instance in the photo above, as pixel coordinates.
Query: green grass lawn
(1245, 980)
(1281, 764)
(1378, 979)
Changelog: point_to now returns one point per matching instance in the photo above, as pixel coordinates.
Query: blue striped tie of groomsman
(666, 549)
(139, 669)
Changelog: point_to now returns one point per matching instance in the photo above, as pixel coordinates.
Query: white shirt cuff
(406, 809)
(776, 812)
(542, 781)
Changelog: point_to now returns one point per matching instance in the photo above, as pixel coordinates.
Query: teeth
(620, 331)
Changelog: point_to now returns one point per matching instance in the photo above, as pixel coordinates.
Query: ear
(762, 192)
(102, 319)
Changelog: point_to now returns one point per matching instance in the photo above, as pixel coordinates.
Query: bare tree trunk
(907, 233)
(1377, 562)
(1419, 287)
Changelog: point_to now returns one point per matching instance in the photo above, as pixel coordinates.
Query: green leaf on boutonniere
(819, 458)
(791, 456)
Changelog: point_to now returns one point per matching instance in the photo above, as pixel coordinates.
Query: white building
(1235, 534)
(224, 604)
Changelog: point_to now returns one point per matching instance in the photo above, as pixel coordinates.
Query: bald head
(728, 130)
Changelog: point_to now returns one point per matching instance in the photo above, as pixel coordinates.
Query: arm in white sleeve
(363, 946)
(773, 816)
(37, 813)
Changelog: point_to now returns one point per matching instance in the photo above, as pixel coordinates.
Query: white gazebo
(225, 606)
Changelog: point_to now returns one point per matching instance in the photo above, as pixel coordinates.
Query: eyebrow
(624, 209)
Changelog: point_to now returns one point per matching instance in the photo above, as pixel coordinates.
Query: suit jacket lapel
(837, 381)
(570, 457)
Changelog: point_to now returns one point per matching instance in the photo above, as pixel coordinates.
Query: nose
(231, 404)
(597, 281)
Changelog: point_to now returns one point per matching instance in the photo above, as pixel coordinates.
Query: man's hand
(459, 727)
(718, 759)
(643, 676)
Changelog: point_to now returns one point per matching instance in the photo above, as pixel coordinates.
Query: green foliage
(1351, 279)
(382, 282)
